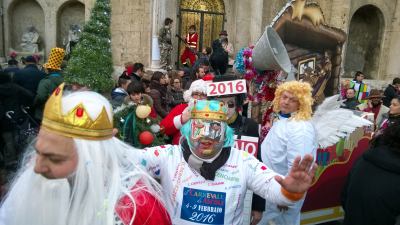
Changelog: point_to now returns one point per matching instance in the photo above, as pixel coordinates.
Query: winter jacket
(390, 93)
(11, 70)
(219, 58)
(29, 77)
(117, 97)
(176, 97)
(351, 103)
(371, 194)
(158, 93)
(45, 88)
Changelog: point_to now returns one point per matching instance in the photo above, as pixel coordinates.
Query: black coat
(12, 97)
(390, 93)
(371, 195)
(219, 58)
(29, 77)
(351, 103)
(158, 93)
(249, 127)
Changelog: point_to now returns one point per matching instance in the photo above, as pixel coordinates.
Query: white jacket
(191, 199)
(286, 140)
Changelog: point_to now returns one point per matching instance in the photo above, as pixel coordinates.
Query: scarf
(207, 170)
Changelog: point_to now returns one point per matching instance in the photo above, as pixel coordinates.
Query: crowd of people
(87, 166)
(383, 104)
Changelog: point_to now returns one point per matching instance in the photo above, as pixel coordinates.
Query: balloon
(155, 128)
(146, 138)
(143, 111)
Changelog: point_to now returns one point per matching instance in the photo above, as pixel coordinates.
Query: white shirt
(191, 199)
(287, 139)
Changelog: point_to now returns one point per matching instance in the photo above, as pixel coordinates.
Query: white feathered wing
(332, 122)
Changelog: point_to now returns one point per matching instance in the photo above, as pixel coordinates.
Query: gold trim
(336, 214)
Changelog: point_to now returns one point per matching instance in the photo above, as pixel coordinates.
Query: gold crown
(76, 123)
(209, 110)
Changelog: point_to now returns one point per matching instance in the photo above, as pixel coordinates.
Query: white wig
(106, 172)
(198, 86)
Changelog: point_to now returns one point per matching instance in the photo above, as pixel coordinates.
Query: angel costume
(296, 134)
(287, 139)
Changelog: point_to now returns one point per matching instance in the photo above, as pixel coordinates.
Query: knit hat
(55, 59)
(30, 59)
(375, 93)
(196, 86)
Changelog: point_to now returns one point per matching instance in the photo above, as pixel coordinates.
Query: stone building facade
(373, 27)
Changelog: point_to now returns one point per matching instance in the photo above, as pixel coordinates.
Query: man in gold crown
(78, 173)
(205, 178)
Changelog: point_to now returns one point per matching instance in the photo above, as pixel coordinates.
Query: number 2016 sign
(226, 88)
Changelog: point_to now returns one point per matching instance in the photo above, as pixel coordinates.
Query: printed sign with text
(248, 144)
(201, 206)
(226, 87)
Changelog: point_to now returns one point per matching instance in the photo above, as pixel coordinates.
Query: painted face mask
(230, 103)
(207, 128)
(207, 137)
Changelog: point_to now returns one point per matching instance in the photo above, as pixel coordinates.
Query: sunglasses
(231, 105)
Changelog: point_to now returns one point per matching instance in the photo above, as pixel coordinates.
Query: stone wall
(131, 28)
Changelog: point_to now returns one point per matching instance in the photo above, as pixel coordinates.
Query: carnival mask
(207, 137)
(230, 103)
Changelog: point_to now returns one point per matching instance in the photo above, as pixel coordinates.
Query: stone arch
(69, 13)
(364, 44)
(24, 13)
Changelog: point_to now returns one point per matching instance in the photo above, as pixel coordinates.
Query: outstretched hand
(185, 115)
(300, 175)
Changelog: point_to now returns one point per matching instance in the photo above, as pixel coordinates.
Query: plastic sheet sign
(226, 87)
(248, 144)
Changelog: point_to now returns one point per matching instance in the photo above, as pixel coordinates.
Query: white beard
(106, 170)
(36, 200)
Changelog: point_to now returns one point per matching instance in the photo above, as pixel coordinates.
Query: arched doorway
(207, 15)
(22, 15)
(71, 13)
(364, 42)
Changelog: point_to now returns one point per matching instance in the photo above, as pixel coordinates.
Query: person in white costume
(205, 178)
(292, 134)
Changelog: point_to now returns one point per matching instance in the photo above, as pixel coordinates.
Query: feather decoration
(334, 123)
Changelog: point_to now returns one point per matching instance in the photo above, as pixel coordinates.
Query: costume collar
(206, 169)
(288, 115)
(232, 119)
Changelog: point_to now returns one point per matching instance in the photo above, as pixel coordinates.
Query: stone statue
(30, 40)
(73, 37)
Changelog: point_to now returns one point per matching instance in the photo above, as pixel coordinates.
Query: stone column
(158, 7)
(340, 18)
(50, 25)
(393, 66)
(256, 28)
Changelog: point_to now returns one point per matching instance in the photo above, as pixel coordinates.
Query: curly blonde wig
(302, 91)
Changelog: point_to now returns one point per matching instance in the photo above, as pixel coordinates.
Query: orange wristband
(292, 196)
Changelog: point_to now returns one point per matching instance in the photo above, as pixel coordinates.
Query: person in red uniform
(191, 49)
(179, 115)
(77, 172)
